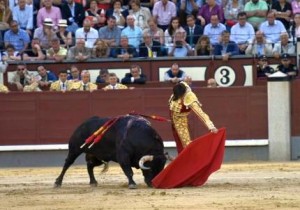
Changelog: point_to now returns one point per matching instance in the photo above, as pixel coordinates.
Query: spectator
(125, 50)
(256, 12)
(21, 77)
(296, 26)
(193, 31)
(62, 84)
(180, 48)
(74, 14)
(173, 28)
(6, 17)
(242, 33)
(231, 11)
(89, 34)
(45, 33)
(46, 77)
(175, 75)
(3, 89)
(211, 8)
(79, 52)
(212, 83)
(272, 28)
(85, 84)
(111, 33)
(35, 53)
(134, 33)
(113, 83)
(141, 14)
(10, 54)
(102, 77)
(259, 46)
(203, 46)
(163, 12)
(286, 66)
(95, 15)
(100, 49)
(263, 68)
(226, 48)
(23, 14)
(189, 8)
(119, 13)
(283, 12)
(48, 11)
(75, 74)
(295, 6)
(64, 36)
(16, 37)
(149, 48)
(135, 76)
(56, 52)
(156, 33)
(283, 46)
(214, 29)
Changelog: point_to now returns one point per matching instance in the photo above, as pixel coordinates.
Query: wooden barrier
(51, 117)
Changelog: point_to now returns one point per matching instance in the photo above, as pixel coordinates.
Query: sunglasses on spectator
(21, 69)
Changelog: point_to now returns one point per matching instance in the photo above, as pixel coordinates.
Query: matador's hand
(214, 130)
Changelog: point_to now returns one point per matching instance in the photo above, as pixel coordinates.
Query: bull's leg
(124, 161)
(91, 162)
(69, 161)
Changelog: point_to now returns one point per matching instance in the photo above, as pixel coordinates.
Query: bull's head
(155, 164)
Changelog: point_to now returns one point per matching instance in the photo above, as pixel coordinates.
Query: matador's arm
(192, 102)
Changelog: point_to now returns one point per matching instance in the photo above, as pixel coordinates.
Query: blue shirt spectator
(16, 37)
(134, 33)
(23, 14)
(214, 29)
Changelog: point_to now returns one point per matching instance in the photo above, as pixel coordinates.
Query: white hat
(48, 22)
(62, 23)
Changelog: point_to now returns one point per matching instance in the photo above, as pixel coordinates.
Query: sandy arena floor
(236, 186)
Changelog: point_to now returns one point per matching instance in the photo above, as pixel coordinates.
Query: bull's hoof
(94, 184)
(132, 186)
(57, 185)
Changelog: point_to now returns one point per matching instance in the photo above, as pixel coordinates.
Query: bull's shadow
(129, 141)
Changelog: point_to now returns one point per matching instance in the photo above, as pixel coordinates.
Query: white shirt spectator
(24, 17)
(272, 32)
(242, 34)
(90, 37)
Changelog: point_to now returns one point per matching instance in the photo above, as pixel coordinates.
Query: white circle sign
(225, 76)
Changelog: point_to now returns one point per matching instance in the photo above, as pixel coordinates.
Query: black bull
(128, 141)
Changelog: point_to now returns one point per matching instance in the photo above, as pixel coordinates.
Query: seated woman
(173, 28)
(100, 49)
(96, 15)
(64, 36)
(118, 12)
(10, 54)
(203, 46)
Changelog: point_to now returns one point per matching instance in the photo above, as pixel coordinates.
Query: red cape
(195, 163)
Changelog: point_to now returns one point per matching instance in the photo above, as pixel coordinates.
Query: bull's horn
(145, 159)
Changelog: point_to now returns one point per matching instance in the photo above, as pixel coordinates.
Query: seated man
(149, 48)
(124, 50)
(10, 54)
(84, 84)
(75, 74)
(135, 76)
(21, 77)
(226, 48)
(212, 83)
(102, 77)
(36, 53)
(46, 77)
(62, 84)
(45, 33)
(175, 75)
(284, 46)
(180, 48)
(259, 46)
(113, 83)
(79, 52)
(263, 68)
(56, 52)
(286, 66)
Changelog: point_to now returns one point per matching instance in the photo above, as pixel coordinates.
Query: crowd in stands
(80, 30)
